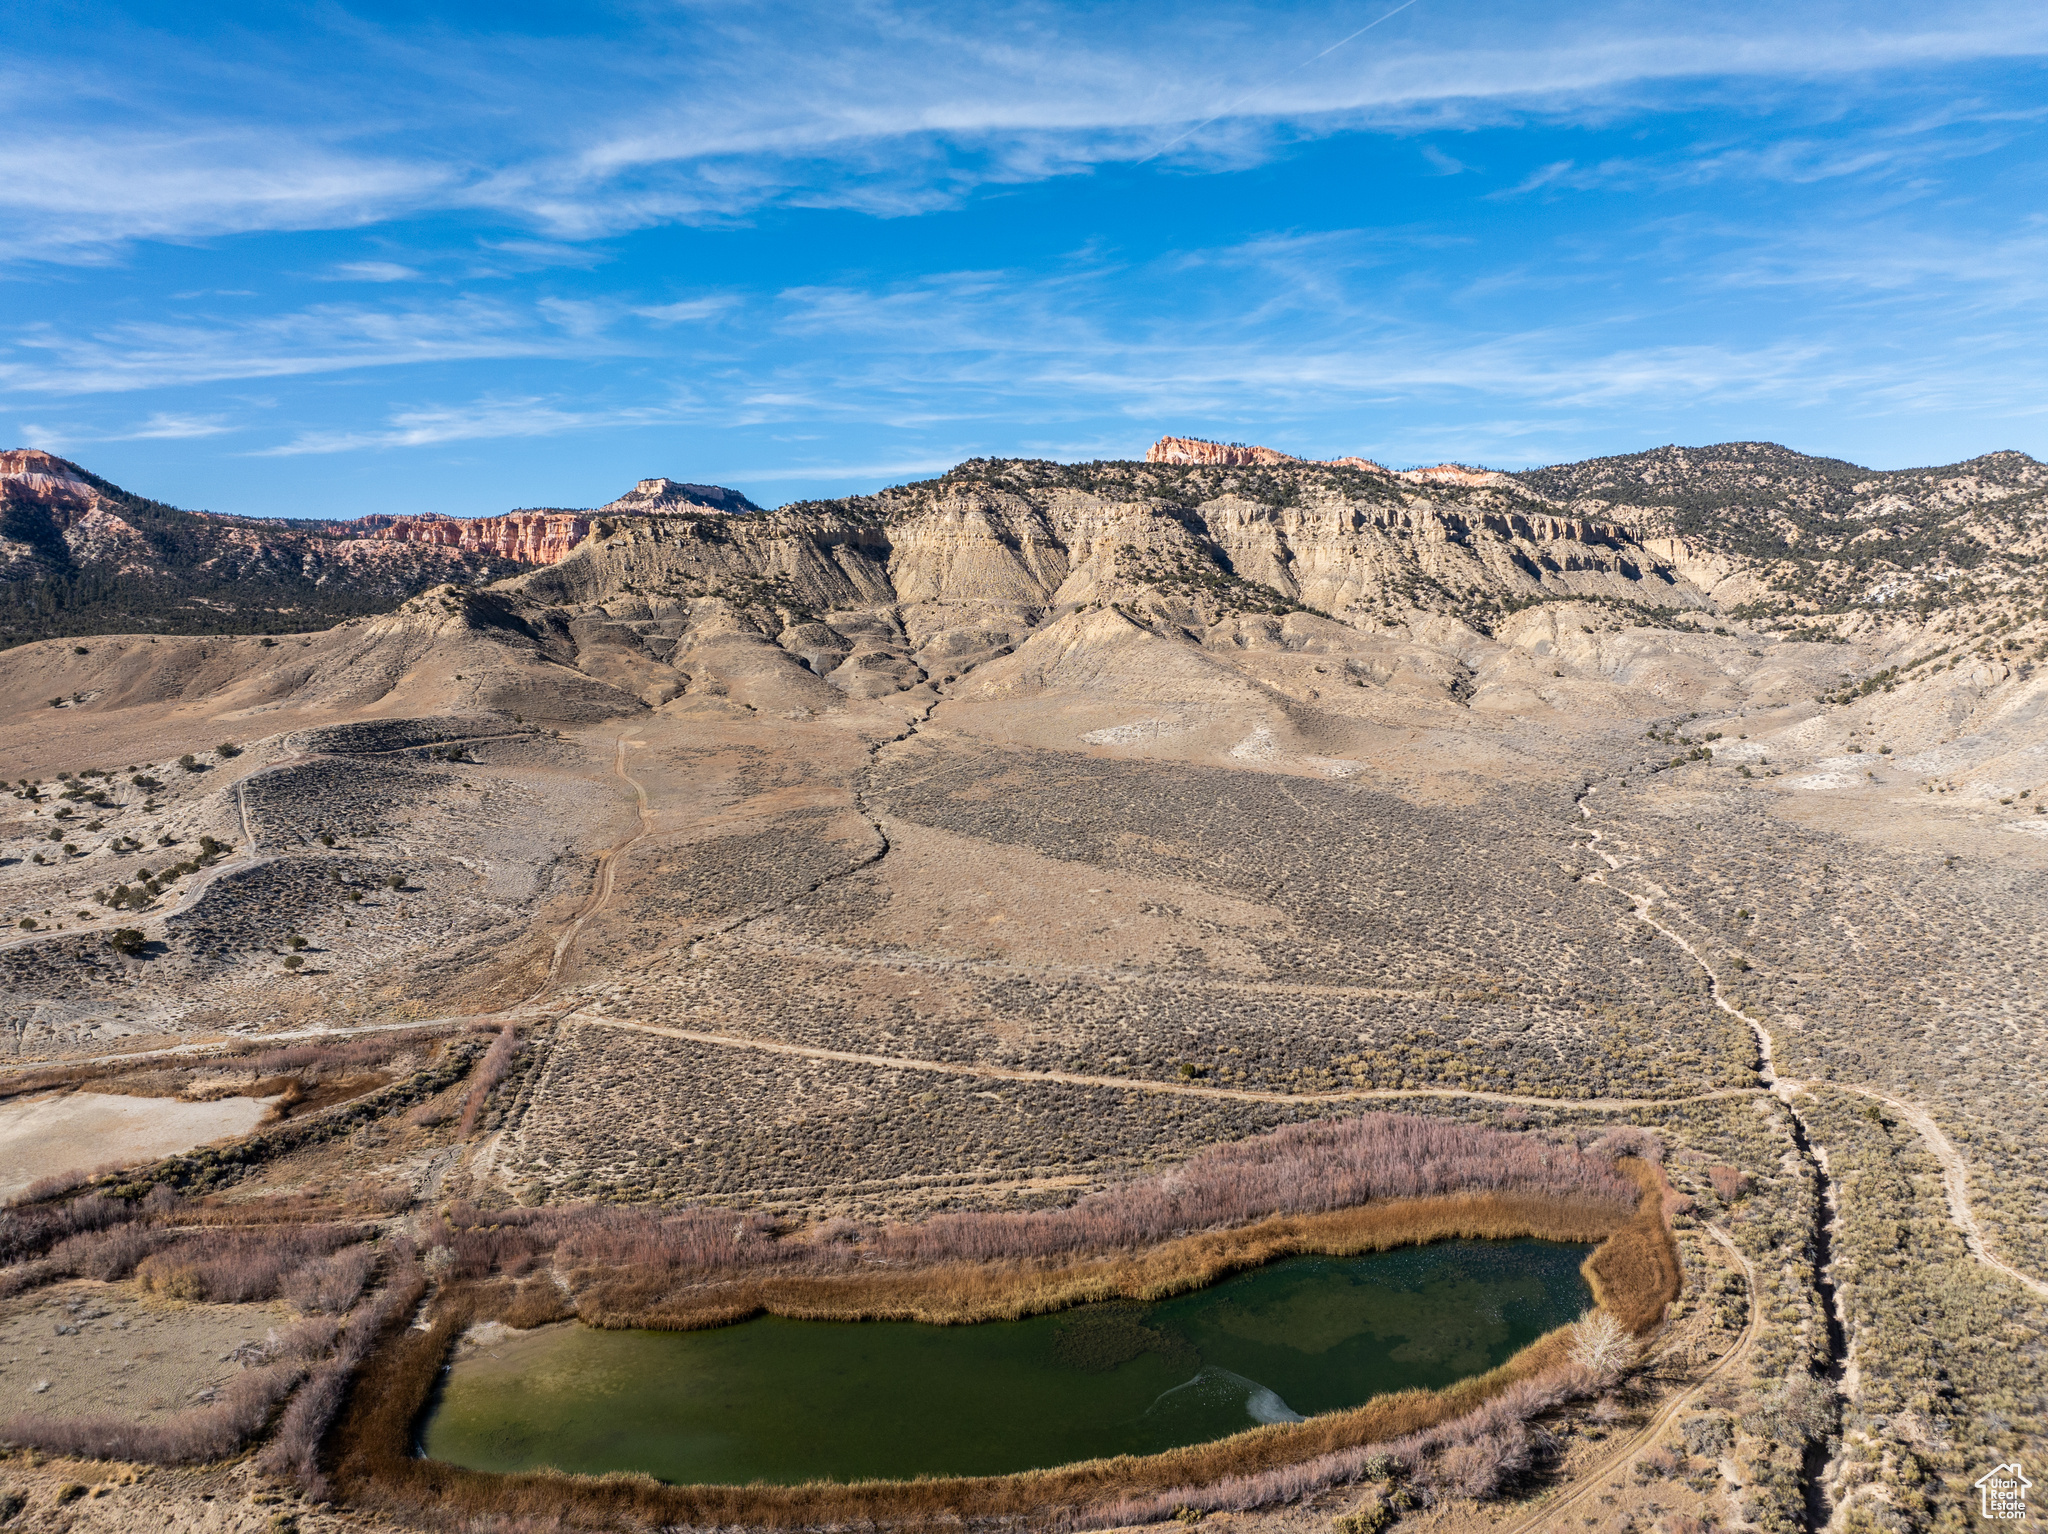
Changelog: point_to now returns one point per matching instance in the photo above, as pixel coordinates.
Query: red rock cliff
(1195, 450)
(29, 475)
(532, 537)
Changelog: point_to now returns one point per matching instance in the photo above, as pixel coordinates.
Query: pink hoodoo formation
(28, 474)
(1193, 450)
(532, 537)
(1454, 474)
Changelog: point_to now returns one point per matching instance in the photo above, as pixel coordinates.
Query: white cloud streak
(886, 109)
(320, 339)
(478, 420)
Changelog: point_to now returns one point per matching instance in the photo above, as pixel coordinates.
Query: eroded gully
(1817, 1459)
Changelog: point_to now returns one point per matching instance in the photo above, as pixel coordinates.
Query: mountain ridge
(81, 555)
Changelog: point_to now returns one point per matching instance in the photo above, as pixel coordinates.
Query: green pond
(785, 1401)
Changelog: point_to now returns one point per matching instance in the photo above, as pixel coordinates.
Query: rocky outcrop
(656, 497)
(29, 476)
(1453, 474)
(1195, 450)
(545, 536)
(530, 537)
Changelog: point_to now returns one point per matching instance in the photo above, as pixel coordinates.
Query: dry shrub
(1628, 1140)
(1602, 1346)
(330, 1284)
(107, 1254)
(29, 1232)
(1729, 1184)
(496, 1062)
(235, 1266)
(44, 1189)
(294, 1449)
(379, 1197)
(430, 1114)
(339, 1056)
(1486, 1464)
(208, 1432)
(1659, 1465)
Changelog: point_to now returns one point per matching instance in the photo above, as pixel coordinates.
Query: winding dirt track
(607, 875)
(1123, 1083)
(1588, 1479)
(1955, 1173)
(1955, 1177)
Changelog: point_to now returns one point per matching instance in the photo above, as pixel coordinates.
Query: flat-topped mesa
(654, 496)
(546, 535)
(1194, 450)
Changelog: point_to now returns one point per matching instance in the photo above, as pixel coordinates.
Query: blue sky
(337, 259)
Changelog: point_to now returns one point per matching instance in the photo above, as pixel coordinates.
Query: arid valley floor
(1011, 839)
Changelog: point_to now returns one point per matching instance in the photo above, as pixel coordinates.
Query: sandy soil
(67, 1131)
(87, 1348)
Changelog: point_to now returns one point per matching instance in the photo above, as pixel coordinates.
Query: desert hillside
(79, 555)
(994, 843)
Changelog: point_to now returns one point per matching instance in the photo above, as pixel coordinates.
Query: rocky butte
(546, 536)
(1194, 450)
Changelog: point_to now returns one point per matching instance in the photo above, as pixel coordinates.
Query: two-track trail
(607, 869)
(1587, 1480)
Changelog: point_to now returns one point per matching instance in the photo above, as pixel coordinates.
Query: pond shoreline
(1634, 1274)
(786, 1401)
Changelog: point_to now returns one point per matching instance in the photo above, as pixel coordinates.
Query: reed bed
(294, 1448)
(951, 1293)
(1357, 1185)
(705, 1267)
(496, 1062)
(229, 1266)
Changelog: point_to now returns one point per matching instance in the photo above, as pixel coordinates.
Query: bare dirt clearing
(87, 1349)
(45, 1136)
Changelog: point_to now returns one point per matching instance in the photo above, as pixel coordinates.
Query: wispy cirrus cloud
(324, 338)
(475, 421)
(374, 271)
(164, 426)
(887, 109)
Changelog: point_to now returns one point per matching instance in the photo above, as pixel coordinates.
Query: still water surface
(786, 1401)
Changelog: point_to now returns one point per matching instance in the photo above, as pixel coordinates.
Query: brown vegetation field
(967, 899)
